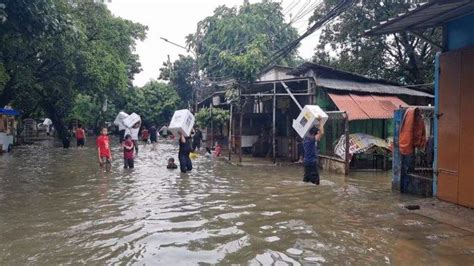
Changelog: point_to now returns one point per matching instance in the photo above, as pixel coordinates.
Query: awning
(364, 107)
(10, 112)
(427, 15)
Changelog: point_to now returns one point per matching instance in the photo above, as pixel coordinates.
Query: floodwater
(56, 207)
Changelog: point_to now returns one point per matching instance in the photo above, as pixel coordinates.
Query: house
(263, 123)
(453, 167)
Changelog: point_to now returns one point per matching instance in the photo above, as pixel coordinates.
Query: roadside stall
(8, 126)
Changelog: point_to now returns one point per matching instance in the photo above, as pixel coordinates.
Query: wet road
(56, 207)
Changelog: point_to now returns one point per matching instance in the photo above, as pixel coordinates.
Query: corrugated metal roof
(369, 87)
(364, 107)
(347, 104)
(337, 79)
(427, 15)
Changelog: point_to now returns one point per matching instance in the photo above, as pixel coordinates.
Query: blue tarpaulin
(4, 111)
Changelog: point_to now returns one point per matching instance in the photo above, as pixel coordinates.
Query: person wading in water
(311, 150)
(185, 148)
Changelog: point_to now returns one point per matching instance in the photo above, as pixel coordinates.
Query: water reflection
(57, 207)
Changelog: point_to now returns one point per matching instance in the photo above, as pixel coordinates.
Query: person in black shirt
(152, 132)
(185, 163)
(197, 138)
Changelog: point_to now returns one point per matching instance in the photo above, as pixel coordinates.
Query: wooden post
(274, 126)
(347, 135)
(212, 128)
(230, 132)
(240, 132)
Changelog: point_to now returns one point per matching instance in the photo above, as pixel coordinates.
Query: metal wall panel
(449, 126)
(466, 165)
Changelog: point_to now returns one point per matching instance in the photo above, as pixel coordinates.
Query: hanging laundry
(412, 132)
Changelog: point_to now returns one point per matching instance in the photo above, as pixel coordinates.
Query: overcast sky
(174, 19)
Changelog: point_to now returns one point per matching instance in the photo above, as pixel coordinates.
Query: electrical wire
(335, 11)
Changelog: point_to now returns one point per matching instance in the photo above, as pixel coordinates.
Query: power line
(335, 11)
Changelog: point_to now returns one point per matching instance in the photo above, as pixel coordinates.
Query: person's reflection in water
(104, 185)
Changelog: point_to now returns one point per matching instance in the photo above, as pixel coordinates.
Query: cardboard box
(308, 118)
(131, 120)
(182, 121)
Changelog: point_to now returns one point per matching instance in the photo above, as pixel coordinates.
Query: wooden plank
(448, 131)
(466, 166)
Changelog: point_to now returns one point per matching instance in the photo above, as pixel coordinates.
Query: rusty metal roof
(427, 15)
(364, 107)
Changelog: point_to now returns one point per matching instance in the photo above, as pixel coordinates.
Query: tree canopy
(179, 74)
(155, 102)
(238, 42)
(399, 57)
(51, 51)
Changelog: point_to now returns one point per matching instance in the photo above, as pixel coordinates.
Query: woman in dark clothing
(185, 148)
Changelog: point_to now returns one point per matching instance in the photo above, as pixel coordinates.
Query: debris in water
(412, 207)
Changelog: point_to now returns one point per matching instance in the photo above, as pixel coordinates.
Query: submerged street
(57, 207)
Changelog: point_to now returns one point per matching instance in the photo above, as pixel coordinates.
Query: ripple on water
(272, 239)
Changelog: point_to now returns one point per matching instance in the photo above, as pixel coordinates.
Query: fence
(336, 126)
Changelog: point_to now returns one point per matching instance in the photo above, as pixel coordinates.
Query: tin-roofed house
(369, 104)
(276, 99)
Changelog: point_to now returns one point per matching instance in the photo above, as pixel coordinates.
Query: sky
(174, 19)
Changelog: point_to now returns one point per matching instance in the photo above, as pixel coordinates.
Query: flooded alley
(56, 207)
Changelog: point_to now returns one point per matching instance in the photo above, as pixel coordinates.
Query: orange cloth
(412, 132)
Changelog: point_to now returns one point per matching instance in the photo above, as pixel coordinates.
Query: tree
(238, 42)
(179, 73)
(399, 57)
(216, 118)
(53, 50)
(155, 102)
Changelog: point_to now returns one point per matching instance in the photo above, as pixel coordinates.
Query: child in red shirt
(128, 146)
(80, 136)
(145, 135)
(218, 150)
(105, 156)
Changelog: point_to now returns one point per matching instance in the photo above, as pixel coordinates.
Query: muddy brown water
(56, 207)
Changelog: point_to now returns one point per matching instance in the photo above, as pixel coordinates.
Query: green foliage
(238, 42)
(179, 73)
(57, 53)
(155, 102)
(218, 117)
(398, 57)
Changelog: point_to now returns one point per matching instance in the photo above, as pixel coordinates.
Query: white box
(131, 120)
(307, 119)
(119, 120)
(182, 121)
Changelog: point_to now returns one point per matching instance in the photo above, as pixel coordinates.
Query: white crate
(119, 120)
(182, 122)
(308, 119)
(131, 120)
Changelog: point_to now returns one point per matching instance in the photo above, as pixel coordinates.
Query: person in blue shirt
(311, 152)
